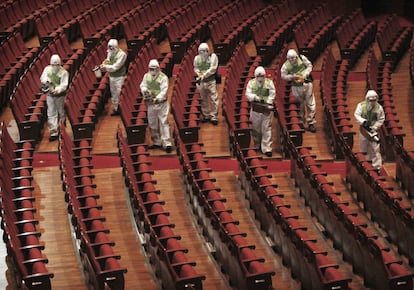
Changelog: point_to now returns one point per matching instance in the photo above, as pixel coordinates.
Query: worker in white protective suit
(205, 66)
(370, 116)
(154, 88)
(297, 70)
(55, 82)
(115, 65)
(261, 92)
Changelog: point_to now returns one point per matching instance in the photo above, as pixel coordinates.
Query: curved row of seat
(378, 76)
(275, 28)
(89, 20)
(382, 197)
(191, 24)
(412, 65)
(185, 101)
(162, 244)
(233, 26)
(235, 104)
(312, 182)
(354, 35)
(333, 83)
(235, 254)
(290, 123)
(18, 215)
(393, 39)
(404, 162)
(307, 257)
(15, 61)
(15, 15)
(317, 29)
(146, 21)
(100, 263)
(348, 225)
(28, 103)
(87, 94)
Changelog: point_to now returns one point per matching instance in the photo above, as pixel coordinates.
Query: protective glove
(366, 125)
(157, 100)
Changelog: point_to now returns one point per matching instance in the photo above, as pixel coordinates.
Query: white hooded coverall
(158, 107)
(261, 122)
(373, 113)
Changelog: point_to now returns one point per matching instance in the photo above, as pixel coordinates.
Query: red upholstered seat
(179, 257)
(239, 240)
(97, 225)
(38, 268)
(149, 186)
(101, 238)
(161, 219)
(218, 206)
(166, 231)
(332, 274)
(226, 217)
(156, 208)
(213, 195)
(152, 196)
(173, 244)
(105, 250)
(112, 263)
(88, 190)
(256, 267)
(247, 254)
(187, 270)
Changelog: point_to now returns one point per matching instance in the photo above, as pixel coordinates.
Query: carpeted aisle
(171, 162)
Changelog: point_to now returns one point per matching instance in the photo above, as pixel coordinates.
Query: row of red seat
(333, 83)
(273, 29)
(404, 162)
(290, 123)
(349, 226)
(100, 263)
(308, 182)
(132, 106)
(389, 205)
(146, 21)
(185, 101)
(16, 58)
(163, 245)
(307, 257)
(28, 104)
(233, 26)
(104, 19)
(86, 19)
(354, 35)
(236, 107)
(393, 39)
(405, 159)
(317, 29)
(235, 254)
(191, 23)
(378, 75)
(15, 15)
(87, 94)
(18, 215)
(412, 64)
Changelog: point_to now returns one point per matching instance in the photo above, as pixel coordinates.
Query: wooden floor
(55, 226)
